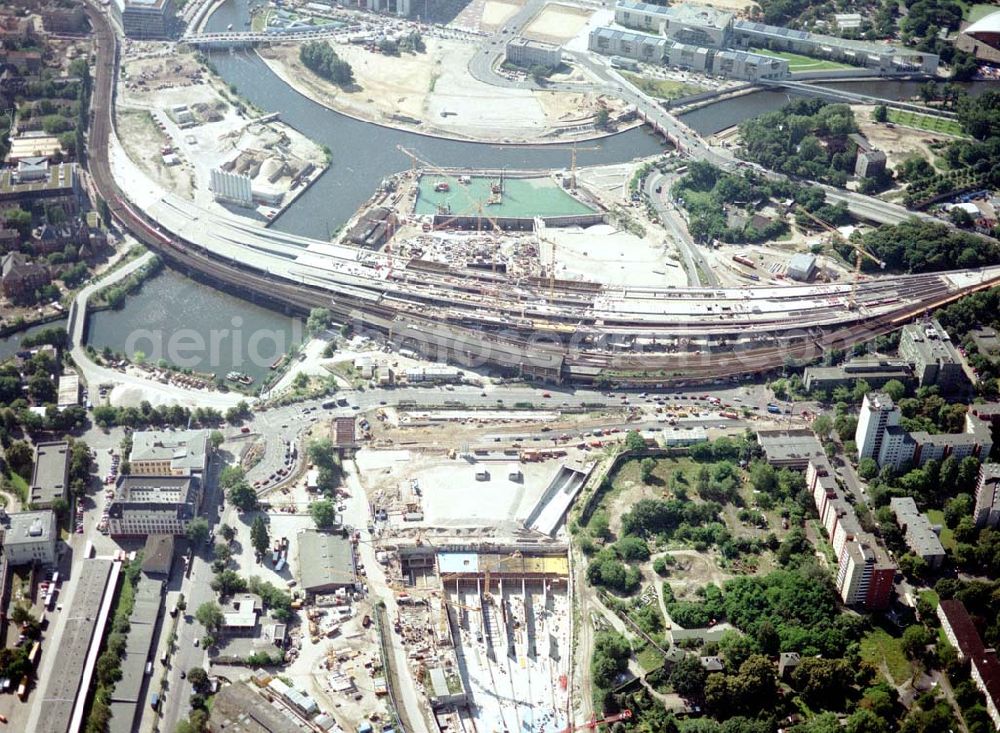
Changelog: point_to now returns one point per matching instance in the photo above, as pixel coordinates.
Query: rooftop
(62, 176)
(698, 15)
(790, 447)
(185, 449)
(325, 560)
(158, 555)
(931, 342)
(238, 708)
(30, 527)
(51, 471)
(920, 535)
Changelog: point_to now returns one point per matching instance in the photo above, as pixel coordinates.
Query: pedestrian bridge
(840, 95)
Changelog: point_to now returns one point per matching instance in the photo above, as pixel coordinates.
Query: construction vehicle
(859, 254)
(623, 715)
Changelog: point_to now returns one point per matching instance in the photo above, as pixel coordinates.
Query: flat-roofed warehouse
(50, 477)
(326, 562)
(238, 708)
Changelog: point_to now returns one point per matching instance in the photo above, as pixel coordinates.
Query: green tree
(880, 113)
(867, 468)
(228, 582)
(242, 496)
(688, 677)
(20, 458)
(210, 616)
(319, 320)
(646, 468)
(227, 532)
(895, 389)
(323, 513)
(198, 531)
(634, 441)
(198, 678)
(215, 439)
(259, 537)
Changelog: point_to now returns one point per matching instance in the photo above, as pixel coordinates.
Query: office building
(918, 533)
(875, 372)
(984, 667)
(30, 537)
(145, 505)
(231, 188)
(638, 46)
(145, 18)
(877, 413)
(69, 391)
(883, 57)
(242, 614)
(525, 53)
(50, 476)
(987, 511)
(936, 361)
(59, 187)
(641, 16)
(696, 25)
(169, 453)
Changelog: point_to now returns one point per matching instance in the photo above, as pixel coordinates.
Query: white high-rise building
(877, 413)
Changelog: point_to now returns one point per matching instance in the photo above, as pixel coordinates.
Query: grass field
(979, 11)
(877, 646)
(925, 122)
(662, 88)
(798, 62)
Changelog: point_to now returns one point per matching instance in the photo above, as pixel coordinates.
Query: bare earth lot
(433, 92)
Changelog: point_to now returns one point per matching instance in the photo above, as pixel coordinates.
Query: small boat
(229, 27)
(239, 377)
(442, 187)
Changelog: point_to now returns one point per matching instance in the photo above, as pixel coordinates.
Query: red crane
(623, 715)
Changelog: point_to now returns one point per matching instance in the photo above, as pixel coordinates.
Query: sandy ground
(557, 23)
(425, 93)
(898, 143)
(485, 16)
(600, 253)
(451, 495)
(143, 140)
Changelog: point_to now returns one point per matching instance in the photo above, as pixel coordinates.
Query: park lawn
(662, 88)
(798, 62)
(931, 597)
(877, 646)
(925, 122)
(979, 11)
(20, 487)
(947, 535)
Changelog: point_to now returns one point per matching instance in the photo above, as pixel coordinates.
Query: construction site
(170, 104)
(488, 629)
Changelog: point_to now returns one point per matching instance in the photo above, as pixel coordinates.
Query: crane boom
(859, 253)
(623, 715)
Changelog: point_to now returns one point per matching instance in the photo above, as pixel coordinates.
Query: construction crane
(539, 238)
(574, 149)
(477, 205)
(859, 254)
(623, 715)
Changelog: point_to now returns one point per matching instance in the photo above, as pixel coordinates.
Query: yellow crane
(574, 149)
(859, 254)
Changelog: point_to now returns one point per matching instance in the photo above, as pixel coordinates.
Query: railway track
(502, 329)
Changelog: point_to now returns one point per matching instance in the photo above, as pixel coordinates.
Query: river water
(11, 344)
(194, 326)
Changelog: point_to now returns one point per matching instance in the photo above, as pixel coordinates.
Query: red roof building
(961, 631)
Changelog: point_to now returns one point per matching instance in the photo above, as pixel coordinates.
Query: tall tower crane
(860, 253)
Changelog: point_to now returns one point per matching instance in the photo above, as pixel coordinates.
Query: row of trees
(320, 58)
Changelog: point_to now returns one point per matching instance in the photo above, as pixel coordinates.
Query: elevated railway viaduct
(560, 335)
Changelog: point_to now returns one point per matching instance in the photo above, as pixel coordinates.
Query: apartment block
(935, 359)
(958, 626)
(918, 532)
(987, 511)
(169, 453)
